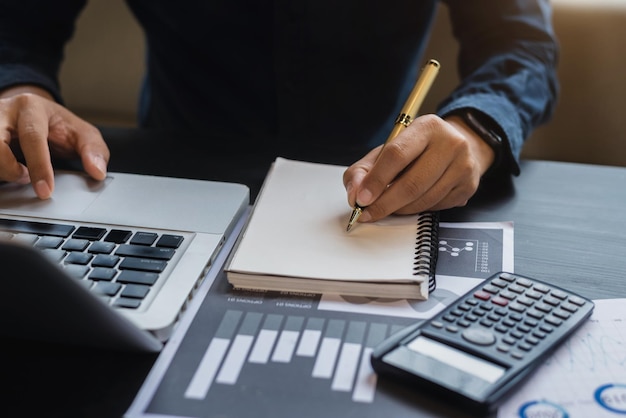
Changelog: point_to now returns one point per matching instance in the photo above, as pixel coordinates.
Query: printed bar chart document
(296, 240)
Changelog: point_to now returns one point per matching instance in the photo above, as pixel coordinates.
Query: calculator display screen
(457, 359)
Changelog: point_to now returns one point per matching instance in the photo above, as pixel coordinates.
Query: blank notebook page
(298, 229)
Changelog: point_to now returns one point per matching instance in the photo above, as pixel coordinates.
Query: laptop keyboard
(120, 265)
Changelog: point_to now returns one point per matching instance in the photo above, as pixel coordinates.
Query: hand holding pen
(427, 163)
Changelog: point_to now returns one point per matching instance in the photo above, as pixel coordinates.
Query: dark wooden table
(570, 222)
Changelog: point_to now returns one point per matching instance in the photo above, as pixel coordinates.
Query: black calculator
(484, 344)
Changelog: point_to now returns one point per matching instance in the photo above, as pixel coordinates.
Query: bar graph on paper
(252, 354)
(339, 351)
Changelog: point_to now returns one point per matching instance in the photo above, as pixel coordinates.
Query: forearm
(508, 59)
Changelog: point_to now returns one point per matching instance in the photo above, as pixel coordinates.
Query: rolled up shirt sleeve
(508, 55)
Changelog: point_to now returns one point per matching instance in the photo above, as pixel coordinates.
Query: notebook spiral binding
(426, 247)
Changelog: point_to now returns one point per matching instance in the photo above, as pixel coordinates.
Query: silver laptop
(111, 264)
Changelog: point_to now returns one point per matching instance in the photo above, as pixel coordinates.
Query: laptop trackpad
(72, 195)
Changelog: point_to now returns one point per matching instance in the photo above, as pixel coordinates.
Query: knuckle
(411, 188)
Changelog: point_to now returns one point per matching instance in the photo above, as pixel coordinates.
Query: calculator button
(501, 328)
(517, 289)
(449, 318)
(457, 312)
(479, 336)
(491, 289)
(508, 323)
(551, 301)
(562, 314)
(500, 301)
(558, 294)
(524, 282)
(517, 355)
(486, 323)
(452, 328)
(535, 314)
(499, 283)
(437, 324)
(539, 334)
(501, 311)
(509, 340)
(471, 317)
(493, 317)
(543, 307)
(517, 307)
(541, 288)
(503, 348)
(486, 306)
(576, 300)
(482, 295)
(508, 295)
(463, 323)
(479, 312)
(569, 307)
(552, 320)
(525, 347)
(506, 276)
(531, 322)
(534, 295)
(464, 307)
(532, 340)
(516, 334)
(525, 301)
(523, 328)
(546, 328)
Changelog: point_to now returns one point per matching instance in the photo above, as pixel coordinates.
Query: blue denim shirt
(316, 70)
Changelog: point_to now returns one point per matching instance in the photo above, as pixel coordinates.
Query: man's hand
(30, 119)
(433, 164)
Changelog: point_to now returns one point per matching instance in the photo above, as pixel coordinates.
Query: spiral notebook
(296, 240)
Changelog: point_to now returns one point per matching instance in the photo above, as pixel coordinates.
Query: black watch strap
(481, 127)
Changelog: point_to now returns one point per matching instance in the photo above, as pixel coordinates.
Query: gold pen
(406, 116)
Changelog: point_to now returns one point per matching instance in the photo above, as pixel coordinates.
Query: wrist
(482, 128)
(25, 89)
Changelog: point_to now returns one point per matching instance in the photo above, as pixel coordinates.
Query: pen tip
(356, 212)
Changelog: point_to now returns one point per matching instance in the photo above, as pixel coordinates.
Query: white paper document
(586, 376)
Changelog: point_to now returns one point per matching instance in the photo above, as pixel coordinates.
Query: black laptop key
(137, 277)
(105, 260)
(118, 236)
(135, 291)
(78, 258)
(169, 241)
(129, 250)
(107, 288)
(144, 238)
(76, 270)
(36, 228)
(49, 242)
(101, 247)
(90, 233)
(143, 264)
(102, 273)
(73, 244)
(127, 303)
